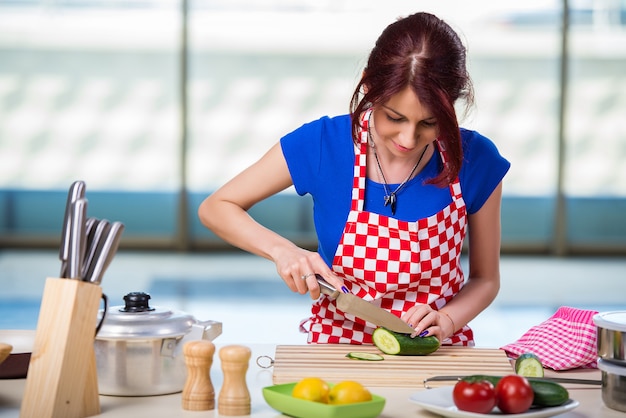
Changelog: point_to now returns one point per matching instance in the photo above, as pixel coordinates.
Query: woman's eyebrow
(402, 116)
(394, 111)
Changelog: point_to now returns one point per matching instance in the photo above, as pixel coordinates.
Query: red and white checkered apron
(391, 263)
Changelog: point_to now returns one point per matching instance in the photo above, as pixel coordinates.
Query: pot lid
(138, 320)
(615, 320)
(608, 367)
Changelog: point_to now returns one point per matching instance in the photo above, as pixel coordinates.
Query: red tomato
(514, 394)
(477, 397)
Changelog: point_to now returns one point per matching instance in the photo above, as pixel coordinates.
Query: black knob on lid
(136, 302)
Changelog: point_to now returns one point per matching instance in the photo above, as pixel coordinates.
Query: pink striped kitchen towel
(567, 340)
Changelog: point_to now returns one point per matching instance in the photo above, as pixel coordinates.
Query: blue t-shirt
(320, 157)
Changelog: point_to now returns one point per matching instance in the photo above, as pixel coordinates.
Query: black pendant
(391, 200)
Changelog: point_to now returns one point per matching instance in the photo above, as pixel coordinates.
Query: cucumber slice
(529, 365)
(386, 341)
(364, 356)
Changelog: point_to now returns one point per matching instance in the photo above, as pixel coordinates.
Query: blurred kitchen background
(155, 103)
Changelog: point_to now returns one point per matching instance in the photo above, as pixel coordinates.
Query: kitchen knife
(90, 223)
(363, 309)
(547, 379)
(94, 237)
(104, 253)
(77, 191)
(78, 215)
(116, 233)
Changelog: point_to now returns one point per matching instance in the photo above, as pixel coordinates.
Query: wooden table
(397, 398)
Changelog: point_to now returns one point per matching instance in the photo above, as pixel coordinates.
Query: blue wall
(527, 222)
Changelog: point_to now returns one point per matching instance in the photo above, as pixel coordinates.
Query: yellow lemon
(312, 389)
(348, 391)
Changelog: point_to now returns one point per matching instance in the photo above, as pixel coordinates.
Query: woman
(395, 184)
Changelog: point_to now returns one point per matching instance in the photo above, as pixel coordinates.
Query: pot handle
(200, 330)
(211, 329)
(203, 330)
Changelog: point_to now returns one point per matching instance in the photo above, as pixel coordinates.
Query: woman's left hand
(424, 318)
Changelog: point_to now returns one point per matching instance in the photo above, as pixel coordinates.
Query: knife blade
(77, 191)
(363, 309)
(78, 215)
(547, 379)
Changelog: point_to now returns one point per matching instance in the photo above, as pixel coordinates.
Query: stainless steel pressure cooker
(139, 347)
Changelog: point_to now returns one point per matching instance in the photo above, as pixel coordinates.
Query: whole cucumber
(390, 342)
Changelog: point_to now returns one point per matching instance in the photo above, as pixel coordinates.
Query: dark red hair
(423, 52)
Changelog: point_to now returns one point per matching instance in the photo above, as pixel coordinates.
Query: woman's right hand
(298, 267)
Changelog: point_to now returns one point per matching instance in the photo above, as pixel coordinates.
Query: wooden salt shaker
(234, 397)
(198, 392)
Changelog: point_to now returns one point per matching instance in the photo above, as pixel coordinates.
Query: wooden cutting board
(329, 362)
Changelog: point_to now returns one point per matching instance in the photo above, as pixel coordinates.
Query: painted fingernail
(423, 333)
(344, 289)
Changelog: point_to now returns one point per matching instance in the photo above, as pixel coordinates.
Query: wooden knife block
(62, 380)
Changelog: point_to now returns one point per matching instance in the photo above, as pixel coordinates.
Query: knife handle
(77, 191)
(111, 248)
(325, 287)
(77, 238)
(456, 378)
(107, 246)
(95, 240)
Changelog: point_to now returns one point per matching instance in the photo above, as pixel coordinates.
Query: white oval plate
(439, 401)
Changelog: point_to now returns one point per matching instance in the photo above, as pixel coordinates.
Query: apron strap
(360, 164)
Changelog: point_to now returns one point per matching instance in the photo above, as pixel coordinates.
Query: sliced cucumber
(386, 341)
(395, 343)
(529, 365)
(364, 356)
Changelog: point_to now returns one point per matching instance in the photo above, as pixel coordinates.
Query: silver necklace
(391, 198)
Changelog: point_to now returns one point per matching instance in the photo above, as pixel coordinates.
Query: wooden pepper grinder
(234, 398)
(198, 392)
